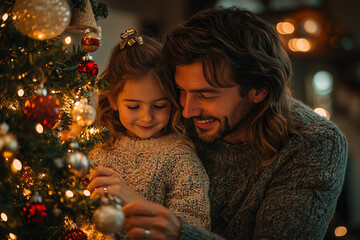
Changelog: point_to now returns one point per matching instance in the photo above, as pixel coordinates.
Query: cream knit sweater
(164, 170)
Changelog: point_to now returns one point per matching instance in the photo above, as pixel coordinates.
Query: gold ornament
(41, 19)
(82, 20)
(129, 37)
(8, 141)
(83, 113)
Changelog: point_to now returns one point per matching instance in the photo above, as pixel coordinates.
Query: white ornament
(77, 163)
(108, 219)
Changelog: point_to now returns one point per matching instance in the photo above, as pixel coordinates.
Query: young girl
(147, 157)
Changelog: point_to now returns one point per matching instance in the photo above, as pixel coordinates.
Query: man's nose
(191, 107)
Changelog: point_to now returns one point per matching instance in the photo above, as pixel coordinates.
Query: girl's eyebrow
(134, 100)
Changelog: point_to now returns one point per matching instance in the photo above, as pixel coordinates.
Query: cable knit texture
(293, 198)
(164, 170)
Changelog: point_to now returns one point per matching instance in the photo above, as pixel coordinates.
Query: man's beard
(226, 127)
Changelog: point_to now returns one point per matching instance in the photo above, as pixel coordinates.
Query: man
(276, 168)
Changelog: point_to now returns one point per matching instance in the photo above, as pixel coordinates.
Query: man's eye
(133, 107)
(206, 97)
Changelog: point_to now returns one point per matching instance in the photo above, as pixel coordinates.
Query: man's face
(217, 112)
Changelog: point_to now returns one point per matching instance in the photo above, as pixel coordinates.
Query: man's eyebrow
(209, 90)
(134, 100)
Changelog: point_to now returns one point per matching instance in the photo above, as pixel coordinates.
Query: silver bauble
(108, 219)
(77, 163)
(42, 19)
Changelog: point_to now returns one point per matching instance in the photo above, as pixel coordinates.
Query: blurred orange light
(285, 28)
(340, 231)
(311, 26)
(303, 45)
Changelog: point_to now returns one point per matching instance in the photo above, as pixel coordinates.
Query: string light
(68, 40)
(16, 165)
(5, 17)
(12, 236)
(87, 193)
(21, 92)
(39, 128)
(69, 194)
(4, 217)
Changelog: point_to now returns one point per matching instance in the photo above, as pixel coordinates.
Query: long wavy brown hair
(251, 47)
(133, 62)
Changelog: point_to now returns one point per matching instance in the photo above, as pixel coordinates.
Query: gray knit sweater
(164, 170)
(293, 198)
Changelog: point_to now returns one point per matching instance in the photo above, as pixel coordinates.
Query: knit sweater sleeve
(187, 193)
(302, 197)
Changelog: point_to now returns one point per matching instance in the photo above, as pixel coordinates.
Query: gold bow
(129, 38)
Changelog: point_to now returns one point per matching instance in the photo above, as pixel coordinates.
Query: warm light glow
(311, 26)
(69, 194)
(21, 92)
(299, 45)
(40, 36)
(92, 130)
(285, 28)
(5, 17)
(4, 217)
(292, 44)
(16, 165)
(87, 193)
(340, 231)
(323, 82)
(68, 40)
(39, 128)
(322, 112)
(303, 45)
(12, 236)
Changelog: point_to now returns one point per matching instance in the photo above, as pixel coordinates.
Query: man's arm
(301, 199)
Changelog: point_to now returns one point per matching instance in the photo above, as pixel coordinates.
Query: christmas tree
(47, 117)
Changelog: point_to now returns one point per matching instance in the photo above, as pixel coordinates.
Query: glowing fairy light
(12, 236)
(68, 40)
(39, 128)
(21, 92)
(5, 17)
(87, 193)
(16, 165)
(4, 217)
(69, 193)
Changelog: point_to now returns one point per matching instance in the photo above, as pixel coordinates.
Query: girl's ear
(258, 95)
(113, 103)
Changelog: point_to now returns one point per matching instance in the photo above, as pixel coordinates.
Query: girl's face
(143, 107)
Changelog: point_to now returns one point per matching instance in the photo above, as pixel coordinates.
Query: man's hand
(156, 219)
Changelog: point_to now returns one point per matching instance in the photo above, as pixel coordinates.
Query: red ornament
(35, 213)
(75, 234)
(85, 181)
(90, 42)
(88, 67)
(43, 109)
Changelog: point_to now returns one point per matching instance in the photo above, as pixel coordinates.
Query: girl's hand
(105, 179)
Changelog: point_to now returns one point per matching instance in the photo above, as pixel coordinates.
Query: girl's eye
(133, 107)
(160, 106)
